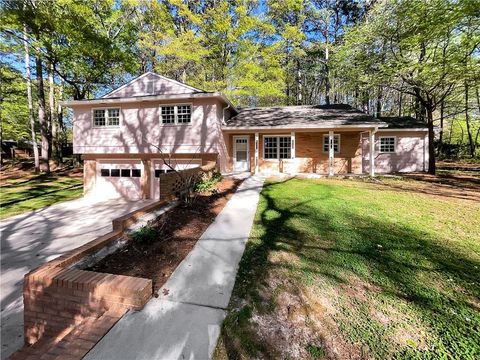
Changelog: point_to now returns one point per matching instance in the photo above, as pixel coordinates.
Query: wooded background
(399, 57)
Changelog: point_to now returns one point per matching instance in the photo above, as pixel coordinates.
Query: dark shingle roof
(301, 116)
(403, 122)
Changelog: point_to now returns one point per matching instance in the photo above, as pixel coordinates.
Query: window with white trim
(336, 143)
(387, 144)
(277, 147)
(176, 114)
(106, 117)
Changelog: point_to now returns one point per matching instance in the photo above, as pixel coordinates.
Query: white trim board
(142, 76)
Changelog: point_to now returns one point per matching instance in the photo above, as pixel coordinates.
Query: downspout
(223, 114)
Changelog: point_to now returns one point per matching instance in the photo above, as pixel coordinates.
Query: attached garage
(119, 179)
(159, 167)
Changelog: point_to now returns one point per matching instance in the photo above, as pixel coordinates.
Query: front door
(240, 153)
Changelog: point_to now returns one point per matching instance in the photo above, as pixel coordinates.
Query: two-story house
(126, 136)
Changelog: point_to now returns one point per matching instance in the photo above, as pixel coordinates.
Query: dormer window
(150, 87)
(176, 114)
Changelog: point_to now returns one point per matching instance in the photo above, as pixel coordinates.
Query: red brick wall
(174, 182)
(56, 299)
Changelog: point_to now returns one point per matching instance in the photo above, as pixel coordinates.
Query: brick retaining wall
(58, 298)
(174, 182)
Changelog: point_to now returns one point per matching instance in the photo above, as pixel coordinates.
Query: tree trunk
(61, 126)
(30, 101)
(431, 138)
(378, 112)
(327, 77)
(467, 121)
(440, 139)
(44, 160)
(53, 128)
(400, 103)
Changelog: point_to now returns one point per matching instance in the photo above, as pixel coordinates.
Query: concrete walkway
(30, 239)
(186, 323)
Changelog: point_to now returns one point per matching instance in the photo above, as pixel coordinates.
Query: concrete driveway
(30, 239)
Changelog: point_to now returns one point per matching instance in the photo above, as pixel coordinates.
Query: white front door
(240, 153)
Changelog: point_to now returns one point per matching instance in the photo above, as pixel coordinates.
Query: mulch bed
(179, 229)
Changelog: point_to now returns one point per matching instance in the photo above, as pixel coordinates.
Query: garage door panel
(119, 179)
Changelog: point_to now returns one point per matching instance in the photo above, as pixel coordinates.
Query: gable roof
(304, 116)
(150, 74)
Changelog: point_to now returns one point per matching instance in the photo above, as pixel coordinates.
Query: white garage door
(119, 179)
(159, 167)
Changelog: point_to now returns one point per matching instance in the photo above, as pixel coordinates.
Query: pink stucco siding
(140, 130)
(160, 85)
(411, 152)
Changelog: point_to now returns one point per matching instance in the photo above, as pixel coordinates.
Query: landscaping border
(59, 298)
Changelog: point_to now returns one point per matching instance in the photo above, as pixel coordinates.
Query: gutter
(259, 128)
(126, 100)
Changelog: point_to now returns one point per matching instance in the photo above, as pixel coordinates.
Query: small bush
(145, 234)
(316, 352)
(206, 184)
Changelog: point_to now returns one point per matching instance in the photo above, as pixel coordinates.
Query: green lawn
(351, 270)
(25, 194)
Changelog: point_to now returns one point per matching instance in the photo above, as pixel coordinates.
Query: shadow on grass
(416, 270)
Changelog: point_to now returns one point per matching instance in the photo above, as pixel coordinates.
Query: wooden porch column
(331, 153)
(292, 145)
(257, 144)
(371, 141)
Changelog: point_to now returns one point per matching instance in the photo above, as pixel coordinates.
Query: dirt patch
(299, 324)
(25, 170)
(178, 229)
(452, 185)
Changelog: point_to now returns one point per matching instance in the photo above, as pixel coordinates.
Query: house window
(115, 172)
(105, 172)
(183, 114)
(136, 173)
(277, 147)
(387, 144)
(176, 114)
(125, 172)
(336, 143)
(106, 117)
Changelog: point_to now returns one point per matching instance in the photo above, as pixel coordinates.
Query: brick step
(75, 343)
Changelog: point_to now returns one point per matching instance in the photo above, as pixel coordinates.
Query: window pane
(136, 173)
(168, 115)
(99, 117)
(113, 117)
(125, 172)
(285, 147)
(387, 144)
(241, 155)
(115, 172)
(158, 172)
(270, 147)
(184, 114)
(336, 142)
(105, 172)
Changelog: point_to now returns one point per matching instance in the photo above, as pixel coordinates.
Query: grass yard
(19, 195)
(353, 269)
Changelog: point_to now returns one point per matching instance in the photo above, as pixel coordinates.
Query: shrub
(145, 234)
(207, 183)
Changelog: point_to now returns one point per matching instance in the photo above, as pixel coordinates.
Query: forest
(415, 58)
